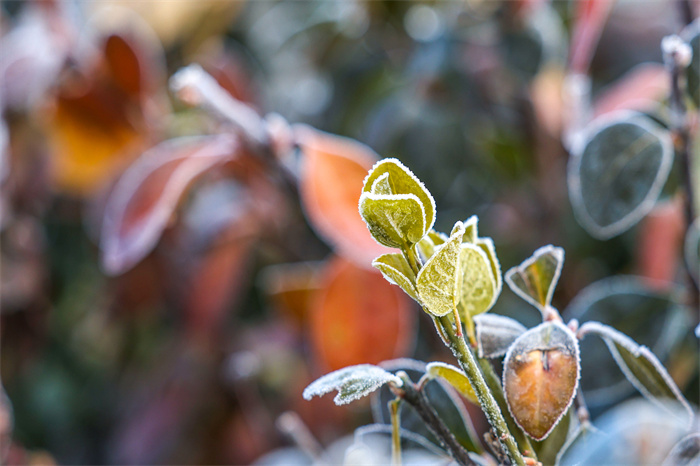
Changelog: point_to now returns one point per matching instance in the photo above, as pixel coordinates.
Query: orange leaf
(143, 201)
(358, 317)
(332, 174)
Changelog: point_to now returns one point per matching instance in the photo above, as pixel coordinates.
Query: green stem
(411, 258)
(494, 384)
(394, 406)
(486, 400)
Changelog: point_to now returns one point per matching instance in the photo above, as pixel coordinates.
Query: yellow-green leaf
(478, 283)
(471, 230)
(393, 220)
(455, 377)
(486, 244)
(426, 246)
(438, 282)
(397, 272)
(535, 279)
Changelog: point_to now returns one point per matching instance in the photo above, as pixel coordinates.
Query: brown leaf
(333, 171)
(358, 317)
(144, 199)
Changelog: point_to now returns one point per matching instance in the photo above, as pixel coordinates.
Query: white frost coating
(413, 177)
(558, 254)
(676, 51)
(351, 382)
(495, 334)
(390, 197)
(611, 336)
(497, 271)
(574, 179)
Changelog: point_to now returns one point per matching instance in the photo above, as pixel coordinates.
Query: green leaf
(617, 175)
(471, 230)
(393, 220)
(535, 279)
(691, 35)
(455, 377)
(426, 246)
(438, 282)
(402, 181)
(640, 366)
(479, 289)
(397, 272)
(540, 377)
(352, 383)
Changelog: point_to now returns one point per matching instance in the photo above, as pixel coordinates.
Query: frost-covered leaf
(455, 377)
(478, 287)
(426, 246)
(495, 334)
(692, 249)
(691, 35)
(535, 279)
(486, 244)
(640, 366)
(616, 176)
(540, 377)
(438, 282)
(397, 272)
(583, 437)
(352, 383)
(394, 220)
(548, 448)
(402, 181)
(471, 229)
(686, 452)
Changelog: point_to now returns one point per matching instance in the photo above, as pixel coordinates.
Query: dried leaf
(540, 377)
(455, 377)
(144, 199)
(479, 290)
(535, 279)
(397, 272)
(333, 169)
(640, 366)
(358, 317)
(495, 334)
(352, 383)
(438, 282)
(617, 174)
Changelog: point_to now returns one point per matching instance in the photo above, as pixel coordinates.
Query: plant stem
(494, 384)
(394, 406)
(411, 395)
(486, 400)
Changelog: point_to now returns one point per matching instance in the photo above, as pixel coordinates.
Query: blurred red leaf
(639, 89)
(589, 18)
(144, 199)
(123, 64)
(358, 317)
(333, 170)
(292, 288)
(659, 243)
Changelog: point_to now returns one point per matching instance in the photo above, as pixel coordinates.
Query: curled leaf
(455, 377)
(617, 175)
(393, 220)
(478, 288)
(495, 334)
(397, 272)
(535, 279)
(144, 199)
(540, 377)
(640, 366)
(352, 383)
(438, 282)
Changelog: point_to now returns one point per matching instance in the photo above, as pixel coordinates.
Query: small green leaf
(381, 185)
(486, 244)
(426, 246)
(617, 175)
(471, 230)
(438, 282)
(352, 383)
(535, 279)
(455, 377)
(397, 272)
(640, 366)
(479, 290)
(402, 181)
(393, 220)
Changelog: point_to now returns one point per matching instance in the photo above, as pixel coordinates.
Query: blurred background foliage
(192, 355)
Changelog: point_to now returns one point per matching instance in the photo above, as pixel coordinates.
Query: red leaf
(589, 19)
(332, 173)
(659, 243)
(146, 196)
(639, 89)
(358, 317)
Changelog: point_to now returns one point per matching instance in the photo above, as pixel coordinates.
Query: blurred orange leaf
(333, 170)
(143, 201)
(358, 317)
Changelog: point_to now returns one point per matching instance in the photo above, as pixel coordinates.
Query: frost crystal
(352, 383)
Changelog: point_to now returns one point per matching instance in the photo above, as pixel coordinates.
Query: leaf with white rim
(397, 272)
(455, 377)
(438, 282)
(617, 174)
(393, 220)
(426, 246)
(488, 247)
(535, 279)
(478, 288)
(641, 367)
(471, 229)
(584, 435)
(495, 334)
(352, 383)
(540, 377)
(685, 453)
